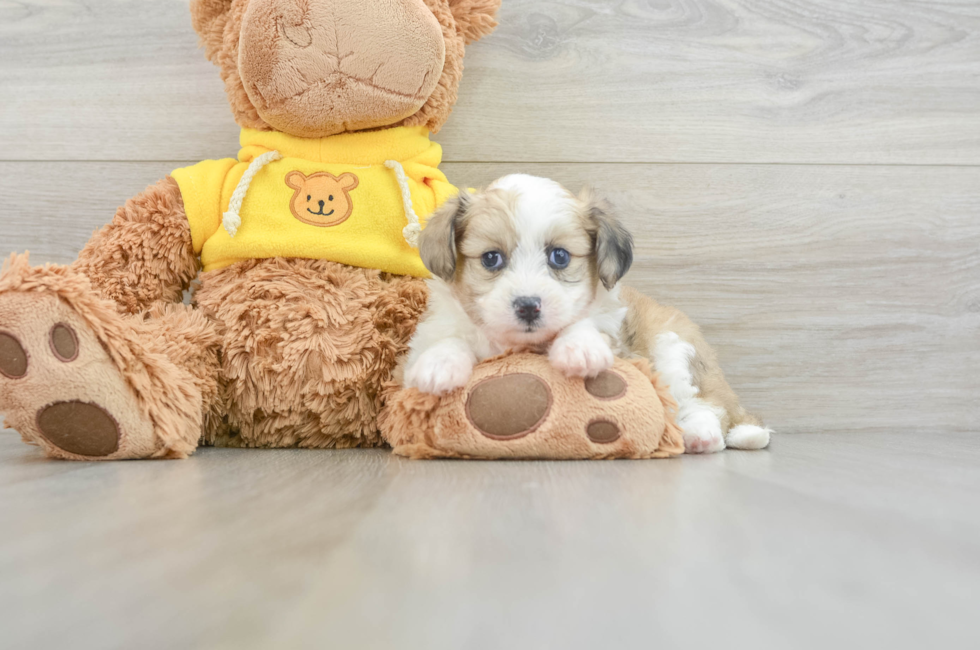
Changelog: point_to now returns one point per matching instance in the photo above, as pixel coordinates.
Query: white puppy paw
(439, 370)
(748, 436)
(581, 353)
(702, 431)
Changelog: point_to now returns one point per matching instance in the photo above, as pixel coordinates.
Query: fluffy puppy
(527, 265)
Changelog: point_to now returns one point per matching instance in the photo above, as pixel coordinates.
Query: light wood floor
(802, 177)
(826, 541)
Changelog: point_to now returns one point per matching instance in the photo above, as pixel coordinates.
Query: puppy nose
(528, 309)
(321, 205)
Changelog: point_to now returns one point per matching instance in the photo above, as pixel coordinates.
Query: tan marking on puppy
(646, 319)
(488, 225)
(577, 236)
(466, 226)
(437, 244)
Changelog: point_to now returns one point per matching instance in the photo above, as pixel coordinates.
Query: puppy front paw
(439, 370)
(582, 353)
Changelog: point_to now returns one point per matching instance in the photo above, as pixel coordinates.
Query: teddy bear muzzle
(315, 69)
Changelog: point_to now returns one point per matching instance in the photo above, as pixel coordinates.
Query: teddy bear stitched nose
(321, 205)
(298, 35)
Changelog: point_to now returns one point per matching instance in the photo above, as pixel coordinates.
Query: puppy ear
(437, 244)
(474, 18)
(209, 18)
(613, 243)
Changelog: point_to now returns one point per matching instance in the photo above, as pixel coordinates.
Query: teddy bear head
(315, 68)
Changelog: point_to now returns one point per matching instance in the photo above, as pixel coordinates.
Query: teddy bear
(310, 282)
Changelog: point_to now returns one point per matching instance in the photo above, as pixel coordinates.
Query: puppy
(527, 265)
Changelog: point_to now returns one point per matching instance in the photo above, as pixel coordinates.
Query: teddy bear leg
(308, 345)
(192, 342)
(85, 382)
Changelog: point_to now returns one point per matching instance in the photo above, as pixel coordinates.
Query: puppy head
(526, 258)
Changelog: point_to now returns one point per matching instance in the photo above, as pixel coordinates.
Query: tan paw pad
(13, 357)
(79, 428)
(508, 408)
(606, 385)
(64, 342)
(603, 432)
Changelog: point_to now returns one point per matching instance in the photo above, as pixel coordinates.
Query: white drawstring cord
(413, 230)
(232, 219)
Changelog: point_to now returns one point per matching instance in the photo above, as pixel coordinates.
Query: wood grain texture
(828, 81)
(839, 298)
(825, 541)
(840, 284)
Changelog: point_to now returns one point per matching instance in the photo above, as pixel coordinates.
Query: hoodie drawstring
(232, 220)
(413, 230)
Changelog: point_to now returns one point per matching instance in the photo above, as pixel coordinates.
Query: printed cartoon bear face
(322, 199)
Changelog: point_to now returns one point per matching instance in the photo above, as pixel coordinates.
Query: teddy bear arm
(145, 255)
(520, 406)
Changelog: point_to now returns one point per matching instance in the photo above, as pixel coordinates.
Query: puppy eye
(331, 197)
(492, 261)
(559, 258)
(309, 197)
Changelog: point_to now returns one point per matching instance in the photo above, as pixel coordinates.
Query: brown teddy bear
(311, 285)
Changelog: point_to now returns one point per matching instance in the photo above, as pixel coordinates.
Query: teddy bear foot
(521, 406)
(60, 389)
(84, 382)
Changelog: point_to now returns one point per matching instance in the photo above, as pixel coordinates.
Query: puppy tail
(747, 431)
(741, 416)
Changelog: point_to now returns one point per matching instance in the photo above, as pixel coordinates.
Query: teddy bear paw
(58, 386)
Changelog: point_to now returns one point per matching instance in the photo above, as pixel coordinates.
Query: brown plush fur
(281, 353)
(419, 425)
(145, 255)
(474, 18)
(307, 344)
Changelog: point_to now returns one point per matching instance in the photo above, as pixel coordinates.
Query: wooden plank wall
(803, 178)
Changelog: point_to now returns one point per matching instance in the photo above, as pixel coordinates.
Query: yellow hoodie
(349, 198)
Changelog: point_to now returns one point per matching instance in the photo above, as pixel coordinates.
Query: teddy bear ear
(209, 18)
(474, 18)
